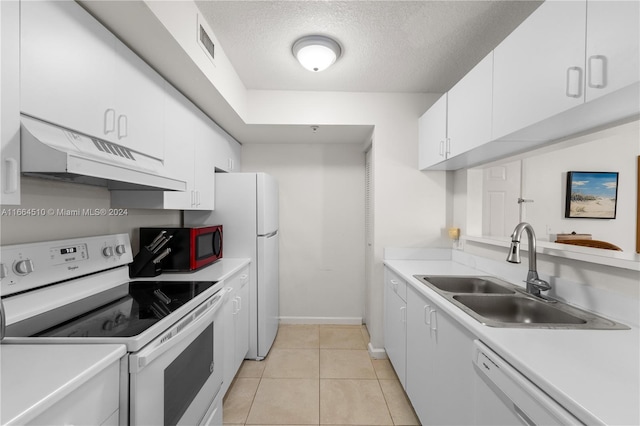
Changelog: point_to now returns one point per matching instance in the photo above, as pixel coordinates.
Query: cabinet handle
(597, 71)
(239, 303)
(122, 126)
(427, 317)
(448, 150)
(235, 305)
(433, 321)
(574, 82)
(394, 284)
(442, 148)
(109, 121)
(197, 198)
(11, 175)
(403, 315)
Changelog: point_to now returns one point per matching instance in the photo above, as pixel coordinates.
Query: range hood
(54, 152)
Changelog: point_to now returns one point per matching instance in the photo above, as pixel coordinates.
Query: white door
(500, 193)
(268, 292)
(10, 103)
(140, 99)
(613, 46)
(432, 134)
(469, 108)
(268, 203)
(67, 68)
(540, 67)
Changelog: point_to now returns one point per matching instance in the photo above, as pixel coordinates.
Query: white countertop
(35, 377)
(594, 374)
(217, 271)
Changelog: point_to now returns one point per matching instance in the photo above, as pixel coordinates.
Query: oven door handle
(197, 319)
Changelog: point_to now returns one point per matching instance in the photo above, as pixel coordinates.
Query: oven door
(175, 379)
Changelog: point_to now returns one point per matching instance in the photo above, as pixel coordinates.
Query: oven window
(204, 244)
(186, 375)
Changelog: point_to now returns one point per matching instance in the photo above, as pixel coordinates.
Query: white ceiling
(388, 46)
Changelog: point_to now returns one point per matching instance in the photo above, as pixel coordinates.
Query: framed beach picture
(591, 195)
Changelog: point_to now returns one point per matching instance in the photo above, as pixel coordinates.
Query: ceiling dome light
(315, 52)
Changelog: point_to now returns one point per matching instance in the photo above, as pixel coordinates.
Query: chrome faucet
(534, 284)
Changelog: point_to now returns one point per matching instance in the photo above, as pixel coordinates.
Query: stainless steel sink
(466, 284)
(517, 309)
(496, 303)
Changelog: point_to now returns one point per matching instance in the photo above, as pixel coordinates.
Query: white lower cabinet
(395, 323)
(94, 403)
(236, 325)
(439, 371)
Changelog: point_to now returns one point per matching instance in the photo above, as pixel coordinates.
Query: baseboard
(321, 320)
(376, 353)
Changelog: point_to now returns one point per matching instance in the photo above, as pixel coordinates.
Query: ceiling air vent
(205, 41)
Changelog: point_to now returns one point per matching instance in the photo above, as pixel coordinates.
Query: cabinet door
(420, 358)
(228, 314)
(432, 134)
(67, 68)
(227, 151)
(395, 332)
(539, 67)
(140, 96)
(613, 46)
(10, 102)
(242, 319)
(204, 166)
(469, 108)
(179, 143)
(452, 400)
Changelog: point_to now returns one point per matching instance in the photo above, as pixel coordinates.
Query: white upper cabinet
(10, 102)
(613, 46)
(139, 108)
(76, 74)
(469, 109)
(432, 134)
(539, 67)
(67, 68)
(460, 120)
(190, 152)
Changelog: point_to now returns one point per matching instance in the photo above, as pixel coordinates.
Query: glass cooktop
(130, 309)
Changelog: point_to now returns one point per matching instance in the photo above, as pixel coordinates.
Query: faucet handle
(541, 285)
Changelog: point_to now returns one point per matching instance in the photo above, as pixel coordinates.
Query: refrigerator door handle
(269, 235)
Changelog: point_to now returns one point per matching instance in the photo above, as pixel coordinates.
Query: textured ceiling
(388, 46)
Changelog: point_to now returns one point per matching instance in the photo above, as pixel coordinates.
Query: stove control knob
(23, 267)
(120, 249)
(107, 251)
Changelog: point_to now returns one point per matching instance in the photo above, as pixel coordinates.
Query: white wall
(544, 180)
(409, 206)
(47, 194)
(321, 228)
(544, 174)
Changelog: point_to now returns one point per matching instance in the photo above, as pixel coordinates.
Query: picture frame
(591, 195)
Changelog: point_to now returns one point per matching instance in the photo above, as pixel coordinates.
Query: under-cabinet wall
(52, 210)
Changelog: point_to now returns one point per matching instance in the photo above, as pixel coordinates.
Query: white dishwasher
(506, 397)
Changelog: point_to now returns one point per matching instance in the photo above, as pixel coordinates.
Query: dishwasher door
(505, 397)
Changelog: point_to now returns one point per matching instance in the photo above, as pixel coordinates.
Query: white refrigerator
(246, 205)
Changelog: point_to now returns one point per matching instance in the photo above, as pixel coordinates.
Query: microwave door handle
(140, 360)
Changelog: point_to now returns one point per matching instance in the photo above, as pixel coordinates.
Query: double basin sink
(496, 303)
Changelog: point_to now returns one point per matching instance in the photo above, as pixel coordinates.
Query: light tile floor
(318, 375)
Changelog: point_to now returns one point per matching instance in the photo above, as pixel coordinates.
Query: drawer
(397, 284)
(93, 403)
